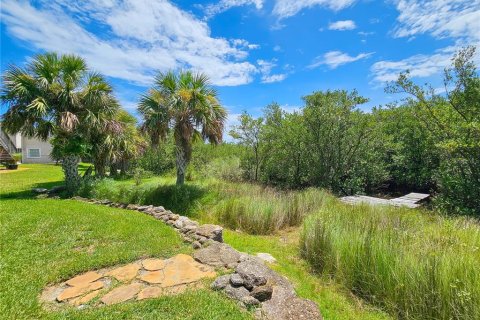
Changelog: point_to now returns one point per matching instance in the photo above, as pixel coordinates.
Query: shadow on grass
(179, 199)
(29, 194)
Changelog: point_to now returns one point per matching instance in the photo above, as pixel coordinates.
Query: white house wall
(32, 143)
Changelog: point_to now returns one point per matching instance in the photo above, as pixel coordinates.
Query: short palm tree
(57, 97)
(186, 103)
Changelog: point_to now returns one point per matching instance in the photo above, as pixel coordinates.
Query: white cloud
(420, 65)
(334, 59)
(365, 33)
(342, 25)
(441, 18)
(223, 5)
(265, 67)
(277, 48)
(139, 37)
(274, 78)
(287, 8)
(456, 19)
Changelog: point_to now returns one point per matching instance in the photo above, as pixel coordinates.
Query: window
(33, 153)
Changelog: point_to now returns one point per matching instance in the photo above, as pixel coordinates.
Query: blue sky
(255, 51)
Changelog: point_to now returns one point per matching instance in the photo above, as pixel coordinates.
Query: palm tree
(186, 103)
(56, 96)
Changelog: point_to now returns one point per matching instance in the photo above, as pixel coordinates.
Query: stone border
(251, 284)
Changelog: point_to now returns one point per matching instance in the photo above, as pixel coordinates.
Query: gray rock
(143, 208)
(262, 293)
(211, 231)
(182, 221)
(196, 245)
(174, 216)
(255, 273)
(40, 190)
(236, 280)
(160, 208)
(218, 255)
(267, 257)
(237, 293)
(190, 228)
(249, 301)
(158, 215)
(284, 305)
(221, 282)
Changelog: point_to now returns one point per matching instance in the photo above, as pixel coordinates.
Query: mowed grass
(45, 241)
(412, 263)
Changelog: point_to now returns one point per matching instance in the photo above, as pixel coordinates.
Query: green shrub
(158, 161)
(412, 264)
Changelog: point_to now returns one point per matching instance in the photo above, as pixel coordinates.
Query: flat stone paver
(142, 279)
(86, 298)
(125, 273)
(121, 294)
(153, 264)
(154, 277)
(183, 269)
(72, 292)
(83, 279)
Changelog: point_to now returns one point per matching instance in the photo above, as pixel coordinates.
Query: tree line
(429, 142)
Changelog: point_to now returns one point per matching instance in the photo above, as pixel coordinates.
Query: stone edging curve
(251, 284)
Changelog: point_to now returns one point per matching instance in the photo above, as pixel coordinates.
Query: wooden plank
(410, 200)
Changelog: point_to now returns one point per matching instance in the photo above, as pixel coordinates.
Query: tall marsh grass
(411, 263)
(251, 208)
(264, 211)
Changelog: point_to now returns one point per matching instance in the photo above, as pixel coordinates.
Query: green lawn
(45, 241)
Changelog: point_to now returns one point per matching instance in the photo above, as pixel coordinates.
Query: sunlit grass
(414, 264)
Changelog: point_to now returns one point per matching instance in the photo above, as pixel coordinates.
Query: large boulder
(211, 231)
(255, 273)
(218, 255)
(285, 305)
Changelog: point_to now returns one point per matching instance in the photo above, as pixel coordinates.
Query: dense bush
(453, 121)
(410, 263)
(330, 143)
(157, 160)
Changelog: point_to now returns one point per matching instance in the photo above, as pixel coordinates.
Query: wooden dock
(411, 200)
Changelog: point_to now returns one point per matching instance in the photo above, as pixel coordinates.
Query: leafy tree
(338, 135)
(410, 154)
(57, 96)
(454, 121)
(186, 103)
(248, 133)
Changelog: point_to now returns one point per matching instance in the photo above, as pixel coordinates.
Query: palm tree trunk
(100, 164)
(70, 169)
(182, 162)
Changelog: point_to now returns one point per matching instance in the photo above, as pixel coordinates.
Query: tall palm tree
(186, 103)
(56, 96)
